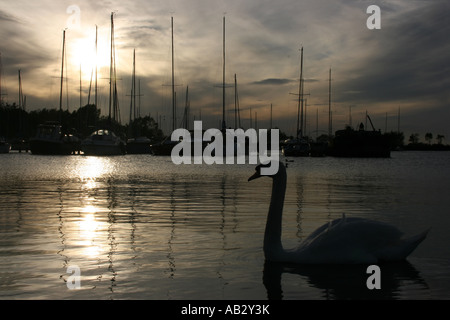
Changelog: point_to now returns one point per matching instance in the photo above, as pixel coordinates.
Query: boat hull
(139, 146)
(360, 144)
(54, 147)
(103, 143)
(102, 150)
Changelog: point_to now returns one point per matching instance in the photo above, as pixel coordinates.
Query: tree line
(16, 123)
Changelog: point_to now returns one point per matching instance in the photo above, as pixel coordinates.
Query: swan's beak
(255, 176)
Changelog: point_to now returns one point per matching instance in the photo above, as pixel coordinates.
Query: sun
(84, 56)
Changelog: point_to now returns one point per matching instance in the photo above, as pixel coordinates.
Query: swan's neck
(272, 236)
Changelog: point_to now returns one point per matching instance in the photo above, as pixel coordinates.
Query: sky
(402, 68)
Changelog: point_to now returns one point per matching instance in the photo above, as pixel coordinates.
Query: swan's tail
(403, 248)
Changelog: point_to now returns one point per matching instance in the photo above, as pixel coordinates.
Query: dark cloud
(273, 81)
(410, 60)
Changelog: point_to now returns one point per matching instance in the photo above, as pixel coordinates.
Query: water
(139, 227)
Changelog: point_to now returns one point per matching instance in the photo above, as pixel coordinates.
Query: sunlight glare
(88, 228)
(91, 169)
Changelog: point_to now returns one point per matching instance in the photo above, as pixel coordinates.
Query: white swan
(342, 241)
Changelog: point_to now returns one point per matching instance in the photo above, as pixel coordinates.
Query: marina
(133, 166)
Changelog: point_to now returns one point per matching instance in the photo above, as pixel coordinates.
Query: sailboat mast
(96, 48)
(329, 106)
(111, 67)
(80, 88)
(134, 82)
(271, 116)
(62, 72)
(173, 82)
(300, 98)
(1, 96)
(235, 101)
(223, 80)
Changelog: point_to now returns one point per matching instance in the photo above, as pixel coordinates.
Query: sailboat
(50, 138)
(298, 147)
(164, 148)
(104, 142)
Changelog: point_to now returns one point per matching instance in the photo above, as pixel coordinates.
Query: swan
(346, 240)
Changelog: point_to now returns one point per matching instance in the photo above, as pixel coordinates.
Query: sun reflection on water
(89, 227)
(92, 168)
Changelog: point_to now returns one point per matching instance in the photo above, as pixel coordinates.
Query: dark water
(139, 227)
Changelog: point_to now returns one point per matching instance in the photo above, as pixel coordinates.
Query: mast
(173, 83)
(299, 110)
(329, 106)
(134, 83)
(111, 63)
(133, 111)
(270, 116)
(80, 87)
(235, 101)
(20, 92)
(223, 80)
(62, 73)
(1, 95)
(300, 95)
(96, 58)
(186, 109)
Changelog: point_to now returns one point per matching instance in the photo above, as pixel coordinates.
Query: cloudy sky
(403, 66)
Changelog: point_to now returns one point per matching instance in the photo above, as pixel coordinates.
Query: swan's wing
(349, 240)
(329, 226)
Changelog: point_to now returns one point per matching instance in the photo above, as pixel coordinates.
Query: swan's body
(342, 241)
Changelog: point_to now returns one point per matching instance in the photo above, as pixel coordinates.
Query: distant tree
(414, 138)
(428, 137)
(439, 138)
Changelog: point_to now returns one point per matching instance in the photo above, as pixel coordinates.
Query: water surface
(140, 227)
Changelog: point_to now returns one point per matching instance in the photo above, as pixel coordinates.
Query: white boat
(103, 142)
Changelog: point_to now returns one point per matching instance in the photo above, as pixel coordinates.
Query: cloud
(403, 63)
(273, 81)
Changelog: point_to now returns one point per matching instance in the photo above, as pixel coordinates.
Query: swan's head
(262, 169)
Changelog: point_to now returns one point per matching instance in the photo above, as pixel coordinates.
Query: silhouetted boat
(103, 142)
(360, 144)
(5, 147)
(50, 140)
(139, 145)
(296, 148)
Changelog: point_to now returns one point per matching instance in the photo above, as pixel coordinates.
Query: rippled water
(140, 227)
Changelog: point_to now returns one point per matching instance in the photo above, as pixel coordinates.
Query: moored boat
(103, 142)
